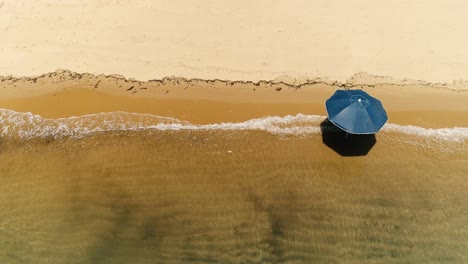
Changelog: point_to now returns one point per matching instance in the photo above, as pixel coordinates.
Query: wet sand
(230, 196)
(65, 93)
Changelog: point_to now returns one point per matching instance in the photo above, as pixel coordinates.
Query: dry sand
(237, 40)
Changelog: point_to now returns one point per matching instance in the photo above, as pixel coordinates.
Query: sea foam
(27, 125)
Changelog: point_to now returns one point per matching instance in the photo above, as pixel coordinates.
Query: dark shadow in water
(345, 145)
(108, 240)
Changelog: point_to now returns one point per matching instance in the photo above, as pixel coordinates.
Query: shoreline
(65, 93)
(359, 79)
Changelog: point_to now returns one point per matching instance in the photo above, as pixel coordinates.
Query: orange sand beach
(64, 93)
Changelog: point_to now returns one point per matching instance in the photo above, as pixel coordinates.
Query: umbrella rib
(369, 118)
(335, 102)
(337, 124)
(337, 114)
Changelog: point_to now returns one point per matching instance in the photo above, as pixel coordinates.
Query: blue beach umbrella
(356, 112)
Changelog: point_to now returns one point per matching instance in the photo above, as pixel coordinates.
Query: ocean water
(132, 188)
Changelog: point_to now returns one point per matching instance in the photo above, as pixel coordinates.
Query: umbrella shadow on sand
(343, 143)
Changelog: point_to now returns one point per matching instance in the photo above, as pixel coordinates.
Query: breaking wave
(27, 125)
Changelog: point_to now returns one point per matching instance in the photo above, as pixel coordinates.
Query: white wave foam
(27, 125)
(288, 125)
(458, 134)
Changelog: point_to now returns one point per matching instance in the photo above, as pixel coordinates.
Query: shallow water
(240, 195)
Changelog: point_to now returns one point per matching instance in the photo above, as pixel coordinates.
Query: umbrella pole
(347, 134)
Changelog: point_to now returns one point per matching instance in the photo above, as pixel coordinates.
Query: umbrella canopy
(356, 112)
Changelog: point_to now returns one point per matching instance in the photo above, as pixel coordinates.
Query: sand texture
(237, 40)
